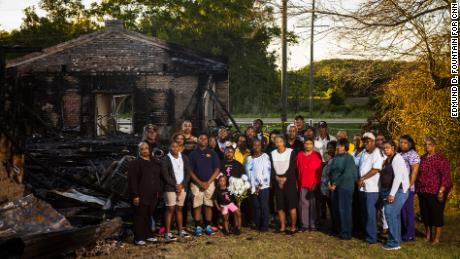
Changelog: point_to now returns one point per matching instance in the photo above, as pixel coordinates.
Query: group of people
(295, 178)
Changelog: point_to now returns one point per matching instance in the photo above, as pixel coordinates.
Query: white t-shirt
(367, 162)
(401, 174)
(281, 160)
(178, 167)
(321, 145)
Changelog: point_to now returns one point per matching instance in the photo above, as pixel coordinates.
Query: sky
(326, 46)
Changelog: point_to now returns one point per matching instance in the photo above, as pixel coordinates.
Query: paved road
(278, 120)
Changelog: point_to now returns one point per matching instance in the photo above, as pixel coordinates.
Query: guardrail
(315, 120)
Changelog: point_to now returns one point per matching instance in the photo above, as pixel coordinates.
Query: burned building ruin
(116, 81)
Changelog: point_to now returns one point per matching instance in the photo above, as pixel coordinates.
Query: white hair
(291, 125)
(139, 146)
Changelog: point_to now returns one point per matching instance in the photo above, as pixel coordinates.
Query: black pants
(247, 212)
(326, 205)
(142, 221)
(186, 208)
(431, 209)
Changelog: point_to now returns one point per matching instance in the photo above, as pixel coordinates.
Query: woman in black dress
(283, 172)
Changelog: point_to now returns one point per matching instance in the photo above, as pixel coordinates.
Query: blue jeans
(261, 209)
(368, 202)
(342, 211)
(393, 216)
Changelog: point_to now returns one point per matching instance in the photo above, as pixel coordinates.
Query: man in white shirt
(370, 164)
(322, 139)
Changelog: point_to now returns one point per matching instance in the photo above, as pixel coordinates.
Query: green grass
(251, 244)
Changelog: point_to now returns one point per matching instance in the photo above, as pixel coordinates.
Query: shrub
(411, 105)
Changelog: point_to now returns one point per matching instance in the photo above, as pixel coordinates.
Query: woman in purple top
(412, 159)
(432, 186)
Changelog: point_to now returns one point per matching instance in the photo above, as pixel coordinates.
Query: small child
(224, 202)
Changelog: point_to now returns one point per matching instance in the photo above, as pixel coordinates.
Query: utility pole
(284, 86)
(310, 82)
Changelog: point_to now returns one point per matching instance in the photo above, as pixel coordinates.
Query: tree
(66, 19)
(405, 29)
(241, 30)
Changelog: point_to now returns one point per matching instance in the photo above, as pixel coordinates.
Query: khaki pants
(201, 198)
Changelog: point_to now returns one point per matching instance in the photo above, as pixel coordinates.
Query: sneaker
(184, 234)
(152, 239)
(386, 247)
(140, 243)
(209, 230)
(198, 231)
(169, 237)
(225, 232)
(237, 232)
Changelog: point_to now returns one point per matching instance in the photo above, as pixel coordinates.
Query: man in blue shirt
(205, 168)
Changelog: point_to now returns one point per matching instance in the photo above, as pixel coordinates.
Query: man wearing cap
(322, 139)
(149, 136)
(370, 164)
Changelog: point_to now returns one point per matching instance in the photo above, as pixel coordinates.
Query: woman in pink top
(432, 186)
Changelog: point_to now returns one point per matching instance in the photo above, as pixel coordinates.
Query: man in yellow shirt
(343, 134)
(242, 152)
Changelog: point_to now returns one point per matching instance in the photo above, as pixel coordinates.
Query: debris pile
(77, 198)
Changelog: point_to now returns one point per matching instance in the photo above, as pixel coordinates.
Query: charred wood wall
(67, 101)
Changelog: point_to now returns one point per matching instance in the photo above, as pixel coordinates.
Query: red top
(433, 173)
(308, 169)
